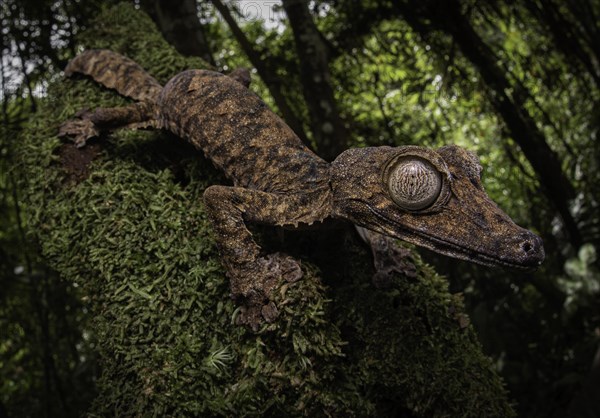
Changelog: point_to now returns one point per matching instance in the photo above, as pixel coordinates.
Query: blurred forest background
(517, 82)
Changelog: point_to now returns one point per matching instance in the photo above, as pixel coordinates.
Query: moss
(130, 230)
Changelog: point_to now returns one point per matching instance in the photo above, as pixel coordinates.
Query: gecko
(432, 198)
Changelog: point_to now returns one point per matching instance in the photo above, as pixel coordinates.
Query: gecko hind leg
(89, 124)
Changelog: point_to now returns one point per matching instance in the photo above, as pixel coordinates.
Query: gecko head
(431, 198)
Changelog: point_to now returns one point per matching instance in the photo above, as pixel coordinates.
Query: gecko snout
(531, 249)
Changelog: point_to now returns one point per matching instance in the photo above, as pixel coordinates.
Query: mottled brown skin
(279, 181)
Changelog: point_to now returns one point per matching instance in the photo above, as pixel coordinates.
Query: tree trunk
(179, 23)
(273, 82)
(564, 34)
(330, 133)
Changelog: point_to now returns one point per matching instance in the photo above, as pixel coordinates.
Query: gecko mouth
(456, 250)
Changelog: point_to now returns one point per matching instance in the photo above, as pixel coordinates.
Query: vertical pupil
(414, 183)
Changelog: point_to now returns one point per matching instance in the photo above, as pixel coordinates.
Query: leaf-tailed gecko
(431, 198)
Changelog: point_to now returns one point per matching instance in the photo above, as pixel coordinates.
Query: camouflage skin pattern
(277, 180)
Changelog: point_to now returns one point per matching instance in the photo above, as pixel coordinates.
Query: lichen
(129, 228)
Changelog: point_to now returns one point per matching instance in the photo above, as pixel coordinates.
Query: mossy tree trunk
(123, 219)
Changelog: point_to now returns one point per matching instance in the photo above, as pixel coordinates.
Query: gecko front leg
(254, 276)
(89, 124)
(388, 258)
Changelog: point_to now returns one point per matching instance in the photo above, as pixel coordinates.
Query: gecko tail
(117, 72)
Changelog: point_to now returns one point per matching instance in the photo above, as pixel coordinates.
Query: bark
(587, 25)
(178, 21)
(328, 128)
(273, 82)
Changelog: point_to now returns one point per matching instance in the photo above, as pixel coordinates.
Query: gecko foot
(254, 290)
(389, 258)
(290, 268)
(80, 130)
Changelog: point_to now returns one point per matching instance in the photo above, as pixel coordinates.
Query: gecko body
(254, 145)
(432, 198)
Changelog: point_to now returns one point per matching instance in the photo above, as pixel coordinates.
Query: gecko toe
(79, 130)
(288, 267)
(254, 288)
(250, 316)
(270, 312)
(253, 315)
(82, 113)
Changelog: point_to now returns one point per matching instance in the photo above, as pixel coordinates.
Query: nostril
(530, 249)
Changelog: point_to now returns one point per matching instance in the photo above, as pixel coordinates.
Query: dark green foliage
(132, 234)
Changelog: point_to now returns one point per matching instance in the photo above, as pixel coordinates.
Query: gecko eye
(414, 183)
